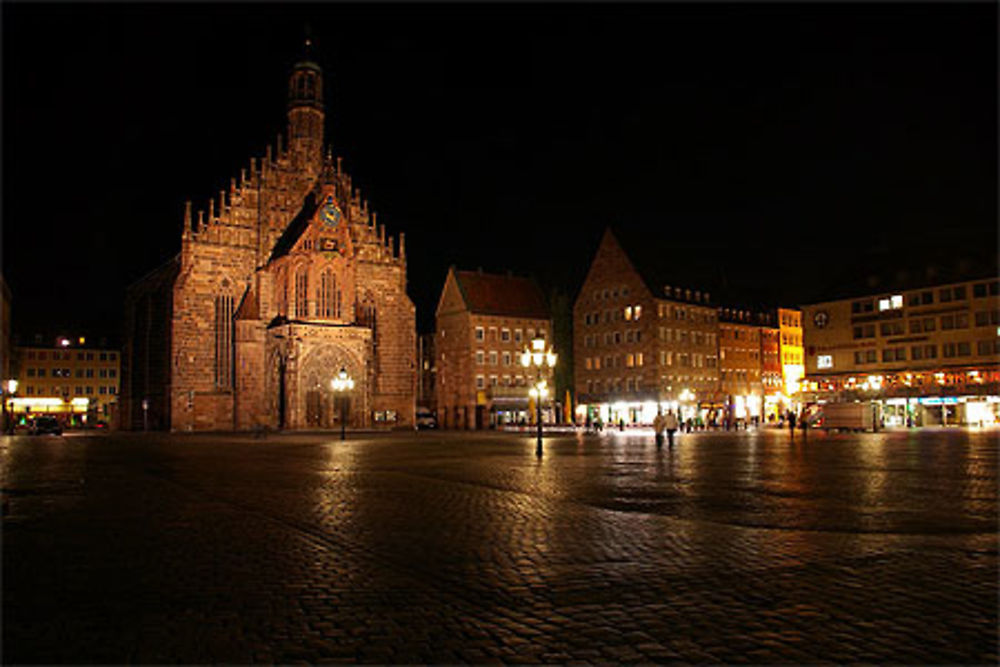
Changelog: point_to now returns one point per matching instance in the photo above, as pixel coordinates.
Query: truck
(849, 416)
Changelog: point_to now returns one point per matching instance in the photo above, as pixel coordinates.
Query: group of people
(665, 423)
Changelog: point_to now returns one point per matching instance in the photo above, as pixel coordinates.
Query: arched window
(326, 301)
(301, 293)
(224, 341)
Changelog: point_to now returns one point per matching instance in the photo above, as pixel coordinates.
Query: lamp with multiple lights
(543, 361)
(341, 384)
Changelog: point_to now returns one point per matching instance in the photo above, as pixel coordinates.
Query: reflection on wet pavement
(454, 547)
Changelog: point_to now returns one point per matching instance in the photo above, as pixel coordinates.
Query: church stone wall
(396, 349)
(208, 270)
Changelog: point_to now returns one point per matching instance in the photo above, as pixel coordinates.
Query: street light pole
(537, 356)
(11, 386)
(342, 384)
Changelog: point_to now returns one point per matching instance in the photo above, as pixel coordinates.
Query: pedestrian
(670, 424)
(621, 424)
(658, 426)
(791, 423)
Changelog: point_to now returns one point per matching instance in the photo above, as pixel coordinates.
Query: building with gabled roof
(284, 281)
(483, 322)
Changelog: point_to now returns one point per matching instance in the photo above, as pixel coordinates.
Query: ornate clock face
(821, 319)
(330, 214)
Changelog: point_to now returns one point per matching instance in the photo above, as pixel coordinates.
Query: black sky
(771, 144)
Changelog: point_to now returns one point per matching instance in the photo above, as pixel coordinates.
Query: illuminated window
(628, 312)
(897, 300)
(223, 342)
(326, 295)
(638, 312)
(884, 304)
(587, 363)
(301, 293)
(629, 360)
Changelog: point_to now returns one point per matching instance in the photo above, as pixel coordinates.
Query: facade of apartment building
(483, 323)
(928, 355)
(640, 346)
(69, 378)
(740, 365)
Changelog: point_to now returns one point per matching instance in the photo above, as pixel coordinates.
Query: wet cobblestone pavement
(447, 548)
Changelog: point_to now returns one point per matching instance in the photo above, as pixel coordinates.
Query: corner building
(928, 353)
(286, 279)
(483, 323)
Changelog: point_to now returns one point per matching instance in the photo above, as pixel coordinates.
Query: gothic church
(284, 281)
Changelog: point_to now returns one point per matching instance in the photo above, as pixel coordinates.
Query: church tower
(305, 111)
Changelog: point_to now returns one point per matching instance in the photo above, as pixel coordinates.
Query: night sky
(772, 144)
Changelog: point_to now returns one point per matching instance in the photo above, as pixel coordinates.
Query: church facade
(285, 280)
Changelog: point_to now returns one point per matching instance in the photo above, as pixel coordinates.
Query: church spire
(305, 105)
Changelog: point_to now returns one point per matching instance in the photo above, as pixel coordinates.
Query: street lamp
(11, 387)
(541, 359)
(342, 384)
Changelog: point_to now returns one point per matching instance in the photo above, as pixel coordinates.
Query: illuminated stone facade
(640, 345)
(740, 365)
(483, 322)
(634, 347)
(285, 280)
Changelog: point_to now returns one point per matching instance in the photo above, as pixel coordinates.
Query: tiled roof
(296, 227)
(511, 296)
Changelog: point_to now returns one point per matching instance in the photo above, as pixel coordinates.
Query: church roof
(296, 227)
(506, 295)
(249, 308)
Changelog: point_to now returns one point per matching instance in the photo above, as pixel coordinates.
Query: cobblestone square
(428, 547)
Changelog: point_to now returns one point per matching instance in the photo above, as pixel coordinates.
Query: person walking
(791, 423)
(658, 427)
(670, 424)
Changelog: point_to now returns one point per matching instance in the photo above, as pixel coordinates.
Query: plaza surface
(462, 547)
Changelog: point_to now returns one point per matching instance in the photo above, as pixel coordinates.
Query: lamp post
(542, 360)
(342, 384)
(687, 396)
(11, 387)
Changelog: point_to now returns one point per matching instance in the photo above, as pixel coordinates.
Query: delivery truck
(850, 416)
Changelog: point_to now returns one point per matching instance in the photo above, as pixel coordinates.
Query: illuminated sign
(938, 400)
(824, 361)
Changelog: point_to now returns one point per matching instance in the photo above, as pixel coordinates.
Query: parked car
(426, 419)
(45, 425)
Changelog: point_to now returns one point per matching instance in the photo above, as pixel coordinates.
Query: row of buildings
(922, 351)
(287, 278)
